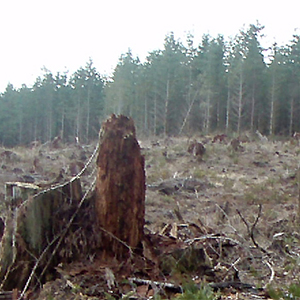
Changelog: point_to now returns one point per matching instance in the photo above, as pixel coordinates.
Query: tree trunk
(252, 110)
(207, 113)
(77, 126)
(120, 188)
(166, 109)
(271, 125)
(228, 110)
(188, 112)
(155, 116)
(146, 129)
(87, 115)
(240, 101)
(291, 126)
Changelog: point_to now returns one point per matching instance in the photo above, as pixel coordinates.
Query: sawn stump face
(120, 188)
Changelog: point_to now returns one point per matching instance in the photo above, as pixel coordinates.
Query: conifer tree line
(216, 86)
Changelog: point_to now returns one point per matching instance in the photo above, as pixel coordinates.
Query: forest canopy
(216, 86)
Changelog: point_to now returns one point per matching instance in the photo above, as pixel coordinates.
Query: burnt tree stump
(120, 188)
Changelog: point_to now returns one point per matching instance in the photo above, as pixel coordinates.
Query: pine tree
(173, 83)
(9, 119)
(121, 90)
(294, 71)
(211, 77)
(235, 84)
(88, 105)
(254, 72)
(273, 75)
(282, 105)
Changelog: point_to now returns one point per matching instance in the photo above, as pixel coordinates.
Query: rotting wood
(73, 191)
(120, 187)
(39, 229)
(18, 192)
(36, 220)
(9, 295)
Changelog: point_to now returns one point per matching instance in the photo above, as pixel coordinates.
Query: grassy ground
(237, 185)
(250, 196)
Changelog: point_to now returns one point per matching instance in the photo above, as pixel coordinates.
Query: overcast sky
(63, 34)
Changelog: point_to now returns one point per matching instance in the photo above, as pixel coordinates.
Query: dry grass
(261, 174)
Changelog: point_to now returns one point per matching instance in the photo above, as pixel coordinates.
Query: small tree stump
(120, 187)
(34, 221)
(18, 192)
(196, 149)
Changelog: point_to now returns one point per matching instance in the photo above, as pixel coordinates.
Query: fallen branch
(229, 224)
(233, 266)
(272, 273)
(251, 230)
(172, 287)
(214, 285)
(214, 237)
(233, 284)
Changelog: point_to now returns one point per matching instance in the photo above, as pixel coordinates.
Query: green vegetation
(199, 173)
(214, 86)
(292, 293)
(194, 292)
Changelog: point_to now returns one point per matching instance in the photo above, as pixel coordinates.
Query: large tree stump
(120, 187)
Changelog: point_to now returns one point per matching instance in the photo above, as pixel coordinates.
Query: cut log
(120, 188)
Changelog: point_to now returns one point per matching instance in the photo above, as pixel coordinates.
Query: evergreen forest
(219, 85)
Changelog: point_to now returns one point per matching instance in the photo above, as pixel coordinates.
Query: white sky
(63, 34)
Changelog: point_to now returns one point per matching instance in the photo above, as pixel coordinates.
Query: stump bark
(120, 188)
(33, 221)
